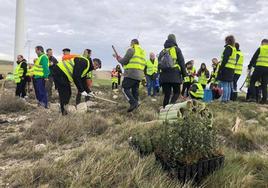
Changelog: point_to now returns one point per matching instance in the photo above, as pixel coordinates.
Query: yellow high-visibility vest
(173, 54)
(232, 59)
(262, 60)
(18, 73)
(37, 68)
(239, 64)
(202, 79)
(138, 60)
(152, 68)
(67, 66)
(189, 78)
(199, 94)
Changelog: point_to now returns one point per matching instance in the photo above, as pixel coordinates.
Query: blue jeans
(227, 90)
(151, 84)
(41, 93)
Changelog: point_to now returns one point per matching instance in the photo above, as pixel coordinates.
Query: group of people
(168, 70)
(173, 73)
(46, 70)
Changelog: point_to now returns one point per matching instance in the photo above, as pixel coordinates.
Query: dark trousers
(185, 88)
(131, 90)
(167, 90)
(21, 89)
(259, 74)
(64, 88)
(114, 85)
(119, 80)
(234, 90)
(78, 95)
(41, 91)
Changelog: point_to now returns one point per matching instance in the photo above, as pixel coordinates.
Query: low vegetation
(92, 149)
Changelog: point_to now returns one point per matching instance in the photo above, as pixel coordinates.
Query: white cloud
(200, 25)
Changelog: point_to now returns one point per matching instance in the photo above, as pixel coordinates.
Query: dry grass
(11, 104)
(91, 150)
(67, 129)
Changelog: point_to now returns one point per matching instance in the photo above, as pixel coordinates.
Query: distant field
(5, 68)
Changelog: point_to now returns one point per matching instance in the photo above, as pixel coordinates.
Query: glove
(84, 93)
(91, 94)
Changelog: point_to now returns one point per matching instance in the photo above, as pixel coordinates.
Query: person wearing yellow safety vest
(88, 78)
(238, 70)
(203, 75)
(188, 79)
(171, 78)
(227, 68)
(41, 73)
(196, 91)
(214, 73)
(260, 62)
(133, 63)
(74, 71)
(20, 76)
(151, 70)
(114, 77)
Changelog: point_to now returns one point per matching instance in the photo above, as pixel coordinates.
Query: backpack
(166, 61)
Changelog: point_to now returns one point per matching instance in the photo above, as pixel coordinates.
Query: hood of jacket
(170, 43)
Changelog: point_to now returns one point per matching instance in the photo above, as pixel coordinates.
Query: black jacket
(52, 64)
(173, 75)
(80, 65)
(226, 74)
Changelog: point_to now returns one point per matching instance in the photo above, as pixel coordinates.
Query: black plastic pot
(205, 168)
(197, 171)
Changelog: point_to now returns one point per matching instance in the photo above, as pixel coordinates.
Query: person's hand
(46, 79)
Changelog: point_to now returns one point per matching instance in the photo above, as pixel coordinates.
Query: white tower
(20, 30)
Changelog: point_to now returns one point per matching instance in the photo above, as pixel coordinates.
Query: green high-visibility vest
(199, 94)
(232, 59)
(67, 66)
(37, 68)
(262, 60)
(151, 67)
(189, 78)
(18, 73)
(138, 60)
(239, 64)
(202, 79)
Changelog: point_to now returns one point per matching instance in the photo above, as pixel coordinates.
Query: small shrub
(66, 129)
(11, 104)
(9, 142)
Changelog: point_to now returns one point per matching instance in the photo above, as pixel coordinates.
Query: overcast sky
(199, 25)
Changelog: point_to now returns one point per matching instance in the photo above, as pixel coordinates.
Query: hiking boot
(132, 107)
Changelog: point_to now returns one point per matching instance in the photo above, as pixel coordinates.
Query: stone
(70, 109)
(252, 121)
(54, 106)
(91, 103)
(82, 107)
(40, 147)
